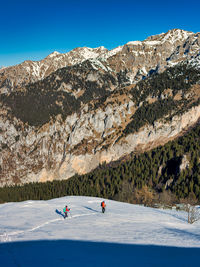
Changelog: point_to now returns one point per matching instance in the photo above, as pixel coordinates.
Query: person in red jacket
(66, 210)
(103, 206)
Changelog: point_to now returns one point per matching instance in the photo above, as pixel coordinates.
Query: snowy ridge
(112, 52)
(171, 36)
(176, 34)
(2, 67)
(152, 43)
(134, 43)
(54, 54)
(152, 51)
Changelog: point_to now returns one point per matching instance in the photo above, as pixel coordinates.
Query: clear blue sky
(33, 29)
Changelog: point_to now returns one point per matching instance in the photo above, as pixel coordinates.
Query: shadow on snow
(184, 233)
(88, 208)
(94, 254)
(60, 213)
(176, 216)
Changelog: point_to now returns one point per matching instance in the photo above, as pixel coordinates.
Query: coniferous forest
(154, 176)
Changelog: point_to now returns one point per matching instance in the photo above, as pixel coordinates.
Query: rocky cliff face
(71, 112)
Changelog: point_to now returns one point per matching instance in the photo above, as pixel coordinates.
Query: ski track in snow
(43, 224)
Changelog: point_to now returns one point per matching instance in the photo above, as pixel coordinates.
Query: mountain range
(69, 113)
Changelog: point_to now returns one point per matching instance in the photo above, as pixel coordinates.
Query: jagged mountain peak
(138, 57)
(53, 54)
(171, 36)
(2, 67)
(158, 39)
(70, 112)
(80, 54)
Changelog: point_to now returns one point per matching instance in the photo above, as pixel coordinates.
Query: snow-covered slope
(125, 234)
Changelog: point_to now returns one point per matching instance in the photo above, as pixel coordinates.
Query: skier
(103, 205)
(66, 210)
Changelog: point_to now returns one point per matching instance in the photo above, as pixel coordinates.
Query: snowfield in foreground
(126, 235)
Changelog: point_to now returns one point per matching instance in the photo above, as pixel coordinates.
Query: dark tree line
(141, 177)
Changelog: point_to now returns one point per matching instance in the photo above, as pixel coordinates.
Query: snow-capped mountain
(68, 113)
(32, 71)
(139, 58)
(125, 235)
